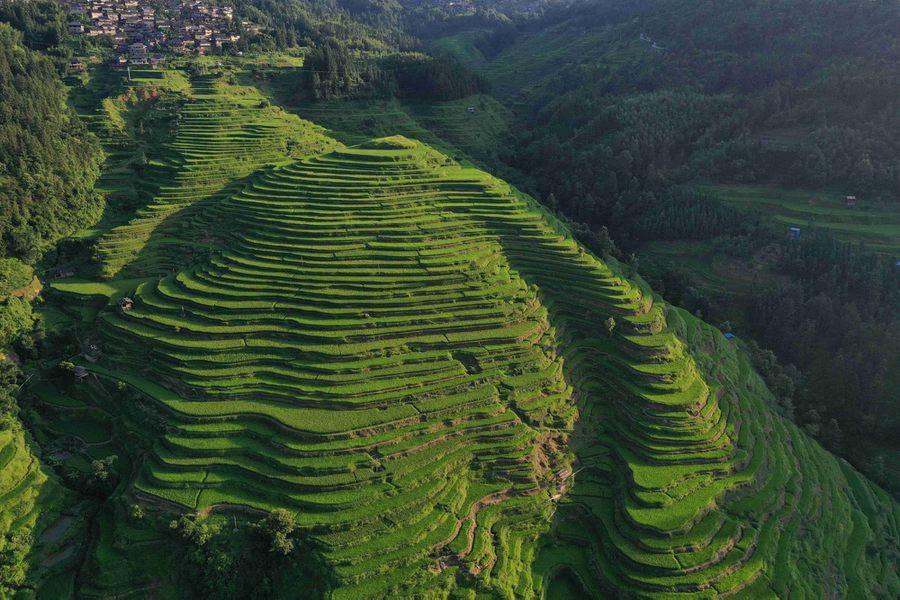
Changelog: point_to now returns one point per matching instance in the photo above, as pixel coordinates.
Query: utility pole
(129, 72)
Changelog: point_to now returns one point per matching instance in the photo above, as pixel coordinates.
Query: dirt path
(213, 508)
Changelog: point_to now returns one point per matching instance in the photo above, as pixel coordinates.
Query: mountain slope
(428, 372)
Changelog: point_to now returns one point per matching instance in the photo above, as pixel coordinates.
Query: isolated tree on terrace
(277, 527)
(610, 324)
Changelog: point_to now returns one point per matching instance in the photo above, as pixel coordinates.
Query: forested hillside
(48, 161)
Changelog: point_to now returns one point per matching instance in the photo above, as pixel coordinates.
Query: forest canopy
(48, 160)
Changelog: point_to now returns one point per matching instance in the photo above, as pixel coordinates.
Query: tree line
(332, 71)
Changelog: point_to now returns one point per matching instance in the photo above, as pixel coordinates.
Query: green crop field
(867, 221)
(413, 359)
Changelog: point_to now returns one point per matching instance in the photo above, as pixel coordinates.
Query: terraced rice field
(413, 358)
(445, 126)
(224, 133)
(718, 496)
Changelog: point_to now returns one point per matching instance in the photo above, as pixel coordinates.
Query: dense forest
(838, 321)
(331, 71)
(42, 23)
(365, 25)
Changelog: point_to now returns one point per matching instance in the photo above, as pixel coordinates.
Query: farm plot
(31, 499)
(706, 498)
(380, 355)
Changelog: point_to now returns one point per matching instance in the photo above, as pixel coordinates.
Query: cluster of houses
(139, 26)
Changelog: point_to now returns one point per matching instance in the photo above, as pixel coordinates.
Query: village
(137, 28)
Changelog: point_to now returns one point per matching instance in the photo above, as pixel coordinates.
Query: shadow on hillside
(577, 319)
(188, 237)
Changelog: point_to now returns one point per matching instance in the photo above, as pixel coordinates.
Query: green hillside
(693, 136)
(35, 538)
(448, 393)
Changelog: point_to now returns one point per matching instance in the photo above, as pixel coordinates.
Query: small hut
(80, 372)
(91, 353)
(125, 304)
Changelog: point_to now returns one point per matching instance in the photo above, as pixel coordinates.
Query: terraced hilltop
(447, 391)
(223, 134)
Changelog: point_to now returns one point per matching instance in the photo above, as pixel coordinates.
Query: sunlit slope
(30, 500)
(396, 348)
(716, 496)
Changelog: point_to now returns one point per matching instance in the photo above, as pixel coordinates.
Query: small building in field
(851, 200)
(729, 336)
(157, 60)
(125, 304)
(64, 272)
(80, 372)
(75, 27)
(75, 65)
(471, 109)
(794, 232)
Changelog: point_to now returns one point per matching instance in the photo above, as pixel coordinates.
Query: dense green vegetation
(368, 25)
(414, 360)
(308, 362)
(624, 108)
(332, 72)
(48, 163)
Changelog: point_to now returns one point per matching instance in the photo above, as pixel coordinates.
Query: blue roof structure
(729, 336)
